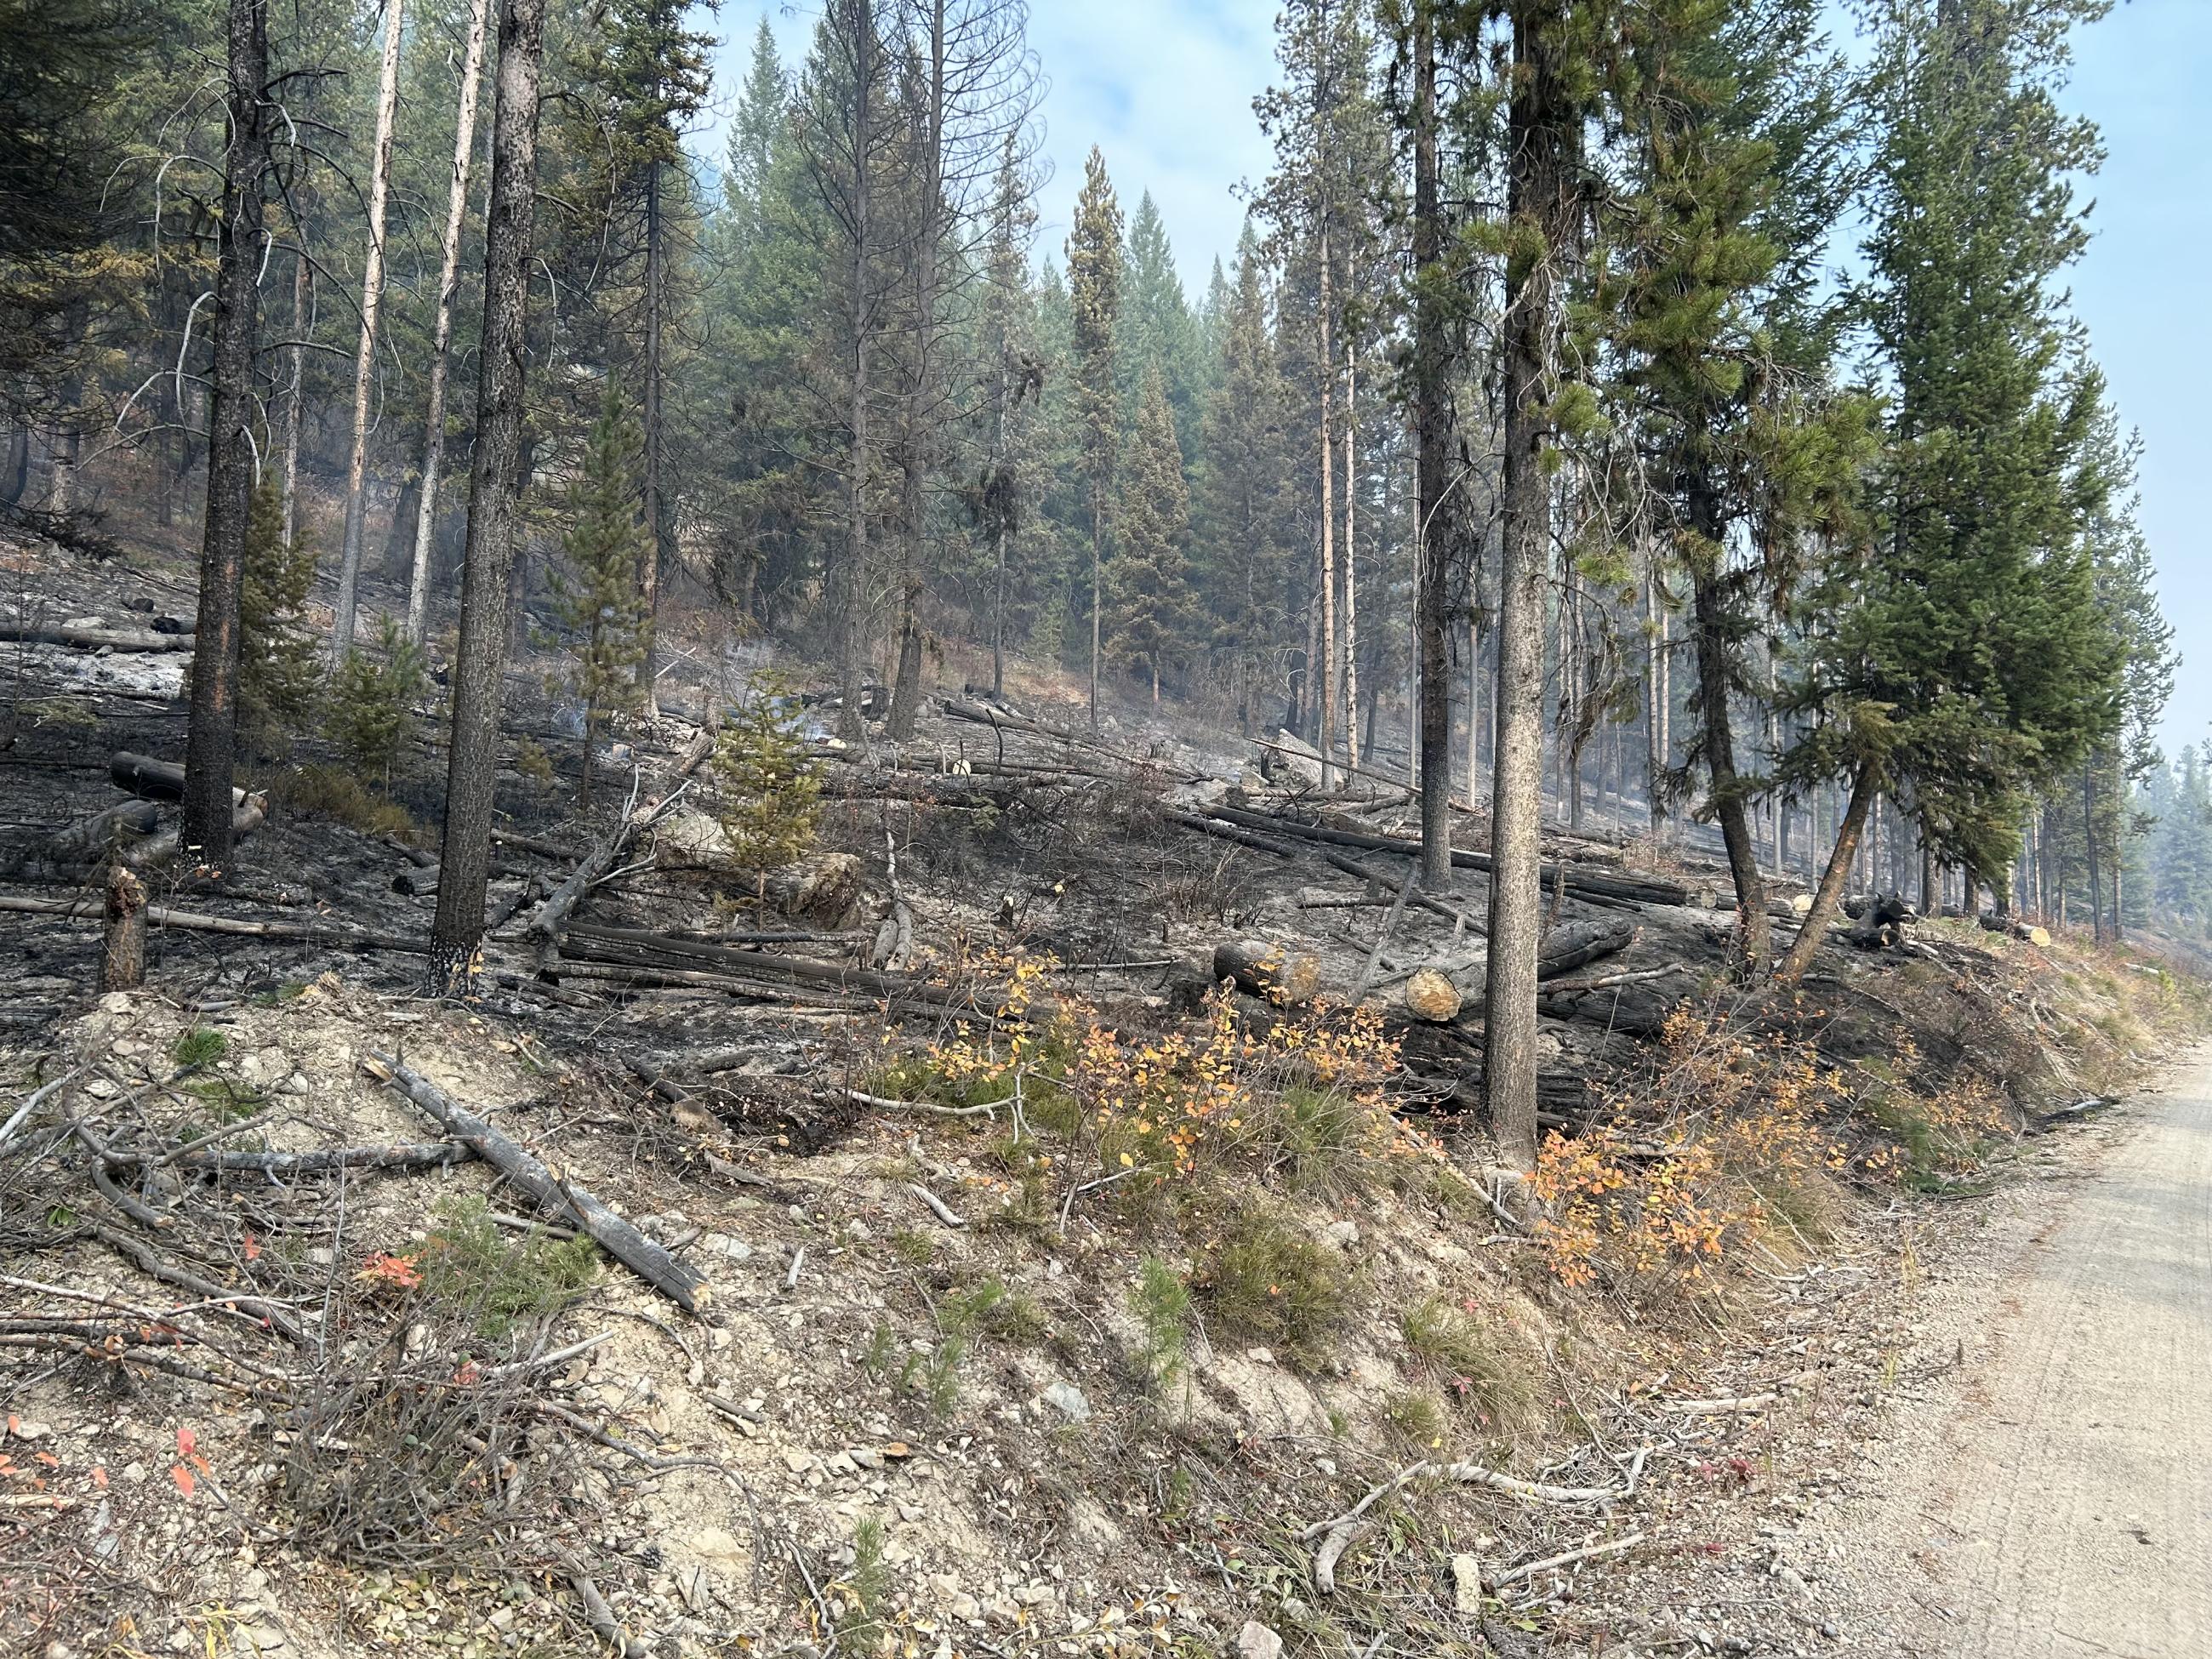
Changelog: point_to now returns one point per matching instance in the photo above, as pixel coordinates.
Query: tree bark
(1325, 369)
(658, 539)
(364, 365)
(211, 745)
(1433, 459)
(1828, 897)
(303, 300)
(2089, 845)
(1717, 739)
(848, 583)
(441, 337)
(457, 934)
(1350, 549)
(1543, 133)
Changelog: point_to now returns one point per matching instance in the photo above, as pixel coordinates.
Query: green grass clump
(201, 1046)
(1265, 1281)
(1480, 1376)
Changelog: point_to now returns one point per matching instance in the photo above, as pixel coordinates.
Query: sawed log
(89, 838)
(681, 1284)
(1267, 969)
(91, 639)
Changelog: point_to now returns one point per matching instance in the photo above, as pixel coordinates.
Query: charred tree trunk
(303, 300)
(655, 549)
(211, 745)
(1325, 367)
(1717, 738)
(458, 932)
(1544, 128)
(1432, 452)
(364, 366)
(122, 957)
(441, 336)
(848, 577)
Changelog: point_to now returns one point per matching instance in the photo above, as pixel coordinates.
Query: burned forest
(752, 901)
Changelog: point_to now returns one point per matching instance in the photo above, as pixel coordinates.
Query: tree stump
(122, 963)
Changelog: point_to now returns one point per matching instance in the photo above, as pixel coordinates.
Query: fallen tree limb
(1565, 1558)
(89, 838)
(279, 1319)
(92, 639)
(1206, 826)
(306, 932)
(682, 1286)
(322, 1160)
(246, 817)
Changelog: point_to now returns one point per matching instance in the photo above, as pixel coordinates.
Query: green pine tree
(1094, 281)
(279, 657)
(1151, 598)
(596, 593)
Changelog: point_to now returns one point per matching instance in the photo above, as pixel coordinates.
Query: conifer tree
(278, 665)
(597, 596)
(1150, 589)
(1735, 155)
(1964, 664)
(1094, 281)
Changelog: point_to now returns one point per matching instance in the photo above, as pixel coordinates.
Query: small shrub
(865, 1589)
(770, 789)
(201, 1046)
(1267, 1282)
(468, 1262)
(1162, 1303)
(333, 792)
(532, 762)
(372, 705)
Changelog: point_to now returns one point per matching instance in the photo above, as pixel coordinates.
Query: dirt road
(2056, 1497)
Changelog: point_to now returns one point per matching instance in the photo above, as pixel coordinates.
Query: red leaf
(100, 1477)
(186, 1440)
(183, 1477)
(252, 1247)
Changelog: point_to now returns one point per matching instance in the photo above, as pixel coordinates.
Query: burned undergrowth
(1050, 1288)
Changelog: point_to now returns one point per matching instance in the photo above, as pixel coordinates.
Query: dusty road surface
(2057, 1500)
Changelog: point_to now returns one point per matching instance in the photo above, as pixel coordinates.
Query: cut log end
(1430, 995)
(1269, 970)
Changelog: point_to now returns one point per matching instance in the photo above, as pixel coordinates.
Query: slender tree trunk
(211, 739)
(1719, 744)
(303, 295)
(1325, 370)
(364, 366)
(2089, 845)
(850, 577)
(916, 453)
(1828, 897)
(488, 566)
(1432, 462)
(1931, 882)
(441, 337)
(655, 551)
(1543, 132)
(998, 533)
(1351, 553)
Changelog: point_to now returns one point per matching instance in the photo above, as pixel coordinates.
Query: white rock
(1467, 1583)
(1256, 1641)
(1069, 1401)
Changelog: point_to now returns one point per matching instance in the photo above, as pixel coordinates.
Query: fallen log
(92, 639)
(548, 920)
(766, 964)
(1580, 883)
(1266, 969)
(682, 1286)
(90, 838)
(1214, 826)
(1577, 944)
(249, 815)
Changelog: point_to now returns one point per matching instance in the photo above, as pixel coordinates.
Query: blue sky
(1165, 88)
